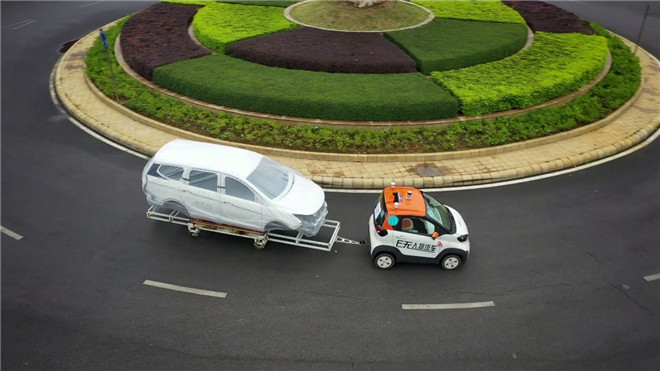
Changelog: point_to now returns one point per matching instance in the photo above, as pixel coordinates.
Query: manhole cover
(427, 169)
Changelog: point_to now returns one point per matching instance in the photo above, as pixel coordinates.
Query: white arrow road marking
(652, 277)
(448, 306)
(185, 289)
(10, 233)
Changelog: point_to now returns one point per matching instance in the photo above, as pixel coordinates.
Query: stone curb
(73, 60)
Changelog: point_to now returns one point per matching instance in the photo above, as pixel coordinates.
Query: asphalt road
(562, 259)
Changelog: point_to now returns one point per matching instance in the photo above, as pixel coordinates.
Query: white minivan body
(233, 186)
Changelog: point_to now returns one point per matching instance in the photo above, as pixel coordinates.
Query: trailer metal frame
(259, 238)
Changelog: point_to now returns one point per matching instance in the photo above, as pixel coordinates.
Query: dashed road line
(652, 277)
(185, 289)
(482, 304)
(23, 23)
(10, 233)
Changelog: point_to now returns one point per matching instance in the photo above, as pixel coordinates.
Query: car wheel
(176, 206)
(451, 262)
(384, 261)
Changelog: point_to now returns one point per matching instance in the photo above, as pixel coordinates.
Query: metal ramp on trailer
(324, 240)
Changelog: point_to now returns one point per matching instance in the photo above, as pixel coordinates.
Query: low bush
(544, 17)
(227, 81)
(219, 24)
(280, 3)
(311, 49)
(618, 86)
(492, 11)
(555, 65)
(144, 35)
(446, 44)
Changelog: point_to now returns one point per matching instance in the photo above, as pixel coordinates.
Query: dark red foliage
(330, 51)
(157, 36)
(545, 17)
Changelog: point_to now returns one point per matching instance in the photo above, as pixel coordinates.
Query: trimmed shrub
(446, 44)
(144, 35)
(493, 11)
(543, 17)
(618, 86)
(219, 24)
(312, 49)
(555, 65)
(227, 81)
(280, 3)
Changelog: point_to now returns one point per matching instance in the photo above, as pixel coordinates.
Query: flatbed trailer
(260, 238)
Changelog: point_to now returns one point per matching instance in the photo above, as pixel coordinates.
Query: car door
(241, 206)
(202, 197)
(413, 237)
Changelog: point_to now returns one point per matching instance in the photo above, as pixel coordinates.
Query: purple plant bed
(545, 17)
(157, 36)
(329, 51)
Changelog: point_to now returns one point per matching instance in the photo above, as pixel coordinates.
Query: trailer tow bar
(350, 242)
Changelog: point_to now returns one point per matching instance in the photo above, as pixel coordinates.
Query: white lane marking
(53, 97)
(652, 277)
(185, 289)
(24, 23)
(639, 146)
(10, 233)
(94, 3)
(482, 304)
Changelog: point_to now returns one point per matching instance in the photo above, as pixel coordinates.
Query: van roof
(207, 156)
(412, 206)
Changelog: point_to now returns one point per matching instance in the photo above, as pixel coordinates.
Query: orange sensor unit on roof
(404, 201)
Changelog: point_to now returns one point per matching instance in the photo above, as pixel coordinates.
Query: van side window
(203, 179)
(170, 172)
(237, 189)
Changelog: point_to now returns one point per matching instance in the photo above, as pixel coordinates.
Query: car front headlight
(310, 224)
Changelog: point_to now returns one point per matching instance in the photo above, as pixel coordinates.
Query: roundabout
(563, 271)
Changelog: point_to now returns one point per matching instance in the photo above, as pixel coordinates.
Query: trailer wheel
(384, 261)
(260, 243)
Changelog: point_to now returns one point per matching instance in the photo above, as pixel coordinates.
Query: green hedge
(555, 65)
(473, 10)
(618, 86)
(232, 82)
(446, 44)
(218, 24)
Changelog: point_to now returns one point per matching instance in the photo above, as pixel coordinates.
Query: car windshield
(270, 177)
(438, 212)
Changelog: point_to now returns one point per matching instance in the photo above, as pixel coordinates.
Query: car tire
(384, 261)
(451, 262)
(176, 206)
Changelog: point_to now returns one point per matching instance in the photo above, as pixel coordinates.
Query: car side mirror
(381, 231)
(435, 235)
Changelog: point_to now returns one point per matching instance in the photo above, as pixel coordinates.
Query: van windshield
(270, 177)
